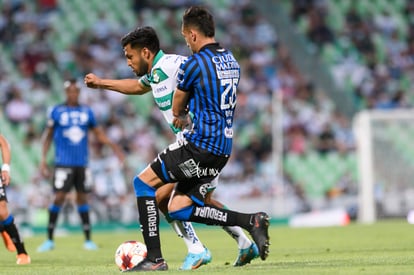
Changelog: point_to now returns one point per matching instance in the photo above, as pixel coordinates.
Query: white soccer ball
(129, 254)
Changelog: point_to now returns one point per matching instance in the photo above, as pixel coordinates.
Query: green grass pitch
(386, 247)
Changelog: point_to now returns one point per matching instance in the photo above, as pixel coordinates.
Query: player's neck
(72, 104)
(205, 41)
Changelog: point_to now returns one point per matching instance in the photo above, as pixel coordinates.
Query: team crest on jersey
(158, 76)
(75, 134)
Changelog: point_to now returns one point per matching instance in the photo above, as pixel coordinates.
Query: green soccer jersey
(163, 81)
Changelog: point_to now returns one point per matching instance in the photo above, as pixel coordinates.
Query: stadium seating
(317, 174)
(307, 169)
(332, 54)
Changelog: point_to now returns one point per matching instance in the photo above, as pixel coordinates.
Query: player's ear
(145, 53)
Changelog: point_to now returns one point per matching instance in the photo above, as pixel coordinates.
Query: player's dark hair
(144, 37)
(200, 18)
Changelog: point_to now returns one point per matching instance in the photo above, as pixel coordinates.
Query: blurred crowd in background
(369, 45)
(310, 120)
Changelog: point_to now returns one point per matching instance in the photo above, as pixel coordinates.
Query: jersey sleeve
(187, 75)
(145, 81)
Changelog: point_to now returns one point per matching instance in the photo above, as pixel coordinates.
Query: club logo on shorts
(204, 188)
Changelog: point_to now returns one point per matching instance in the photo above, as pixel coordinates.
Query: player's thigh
(179, 201)
(164, 192)
(4, 211)
(163, 195)
(151, 178)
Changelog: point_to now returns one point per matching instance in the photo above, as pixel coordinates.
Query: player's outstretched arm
(6, 156)
(124, 86)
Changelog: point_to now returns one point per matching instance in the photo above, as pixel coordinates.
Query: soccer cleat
(8, 243)
(90, 245)
(148, 265)
(259, 232)
(46, 246)
(246, 255)
(23, 259)
(194, 261)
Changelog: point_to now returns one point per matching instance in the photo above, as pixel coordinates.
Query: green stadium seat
(363, 7)
(302, 24)
(330, 54)
(335, 17)
(380, 47)
(317, 173)
(342, 5)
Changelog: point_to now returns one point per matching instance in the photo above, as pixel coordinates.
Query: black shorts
(192, 168)
(64, 178)
(3, 195)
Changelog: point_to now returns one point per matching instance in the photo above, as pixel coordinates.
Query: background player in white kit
(157, 72)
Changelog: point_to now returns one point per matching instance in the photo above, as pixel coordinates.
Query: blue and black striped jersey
(70, 133)
(211, 76)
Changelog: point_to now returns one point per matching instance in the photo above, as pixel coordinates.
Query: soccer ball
(129, 254)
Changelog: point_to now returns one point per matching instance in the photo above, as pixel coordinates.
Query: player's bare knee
(81, 198)
(59, 199)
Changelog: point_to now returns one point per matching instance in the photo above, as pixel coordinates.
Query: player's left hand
(5, 177)
(182, 121)
(120, 155)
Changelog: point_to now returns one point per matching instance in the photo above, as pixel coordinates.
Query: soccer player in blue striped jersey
(158, 75)
(207, 84)
(68, 126)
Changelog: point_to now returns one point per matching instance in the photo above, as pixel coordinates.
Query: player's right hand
(5, 177)
(92, 81)
(44, 170)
